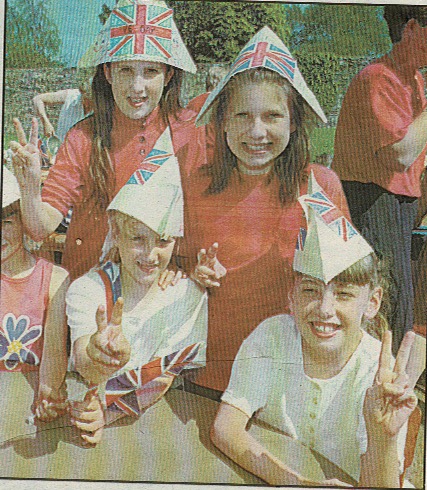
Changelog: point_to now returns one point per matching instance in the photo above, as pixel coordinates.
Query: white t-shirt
(71, 113)
(169, 320)
(326, 414)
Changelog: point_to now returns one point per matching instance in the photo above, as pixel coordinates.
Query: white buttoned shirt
(268, 380)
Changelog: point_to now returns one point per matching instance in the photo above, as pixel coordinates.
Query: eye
(125, 70)
(275, 115)
(344, 294)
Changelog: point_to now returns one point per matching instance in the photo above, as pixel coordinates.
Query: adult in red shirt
(380, 149)
(247, 201)
(136, 96)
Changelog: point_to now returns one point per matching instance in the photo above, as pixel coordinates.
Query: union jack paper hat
(11, 192)
(331, 244)
(265, 50)
(153, 194)
(139, 30)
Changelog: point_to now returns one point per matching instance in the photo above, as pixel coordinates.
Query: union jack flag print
(320, 203)
(301, 239)
(155, 159)
(343, 228)
(141, 29)
(267, 55)
(128, 392)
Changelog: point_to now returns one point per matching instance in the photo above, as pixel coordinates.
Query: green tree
(333, 42)
(216, 31)
(342, 30)
(32, 40)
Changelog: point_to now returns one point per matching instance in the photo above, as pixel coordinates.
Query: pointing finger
(116, 316)
(385, 357)
(212, 251)
(34, 135)
(20, 131)
(101, 318)
(403, 353)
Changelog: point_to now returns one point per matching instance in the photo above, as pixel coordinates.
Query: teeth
(256, 147)
(324, 328)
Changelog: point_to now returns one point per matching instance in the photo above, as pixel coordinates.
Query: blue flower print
(16, 338)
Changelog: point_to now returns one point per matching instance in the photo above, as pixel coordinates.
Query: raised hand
(88, 416)
(208, 270)
(26, 158)
(390, 401)
(108, 348)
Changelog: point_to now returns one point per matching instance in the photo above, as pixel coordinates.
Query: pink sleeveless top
(23, 307)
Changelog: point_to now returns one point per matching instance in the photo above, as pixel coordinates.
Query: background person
(380, 148)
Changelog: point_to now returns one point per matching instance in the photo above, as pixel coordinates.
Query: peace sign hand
(209, 269)
(108, 348)
(26, 158)
(390, 401)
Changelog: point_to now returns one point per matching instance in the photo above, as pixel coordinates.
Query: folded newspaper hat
(139, 30)
(330, 244)
(153, 194)
(11, 192)
(265, 50)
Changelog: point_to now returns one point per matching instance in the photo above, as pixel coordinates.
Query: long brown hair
(100, 168)
(290, 166)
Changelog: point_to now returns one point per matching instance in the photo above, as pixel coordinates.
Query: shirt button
(78, 241)
(312, 415)
(142, 139)
(311, 429)
(142, 152)
(315, 401)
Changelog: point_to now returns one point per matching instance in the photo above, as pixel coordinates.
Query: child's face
(258, 125)
(137, 86)
(144, 256)
(11, 236)
(329, 316)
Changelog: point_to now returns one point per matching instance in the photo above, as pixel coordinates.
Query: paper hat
(11, 192)
(153, 194)
(331, 244)
(139, 30)
(265, 50)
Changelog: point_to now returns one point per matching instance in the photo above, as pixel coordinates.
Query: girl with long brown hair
(139, 58)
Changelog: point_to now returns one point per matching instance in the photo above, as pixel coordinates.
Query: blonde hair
(370, 271)
(119, 223)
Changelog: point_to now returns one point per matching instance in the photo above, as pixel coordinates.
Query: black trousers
(386, 221)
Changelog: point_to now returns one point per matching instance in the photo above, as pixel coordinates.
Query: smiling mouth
(324, 329)
(147, 268)
(137, 101)
(260, 148)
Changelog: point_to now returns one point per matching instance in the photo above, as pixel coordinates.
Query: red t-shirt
(256, 237)
(69, 184)
(377, 109)
(23, 308)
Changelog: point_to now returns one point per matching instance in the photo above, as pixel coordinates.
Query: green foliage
(322, 142)
(32, 40)
(216, 31)
(343, 30)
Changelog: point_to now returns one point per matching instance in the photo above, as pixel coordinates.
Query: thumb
(101, 318)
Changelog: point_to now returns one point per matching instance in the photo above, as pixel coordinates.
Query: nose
(139, 84)
(153, 257)
(258, 128)
(327, 305)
